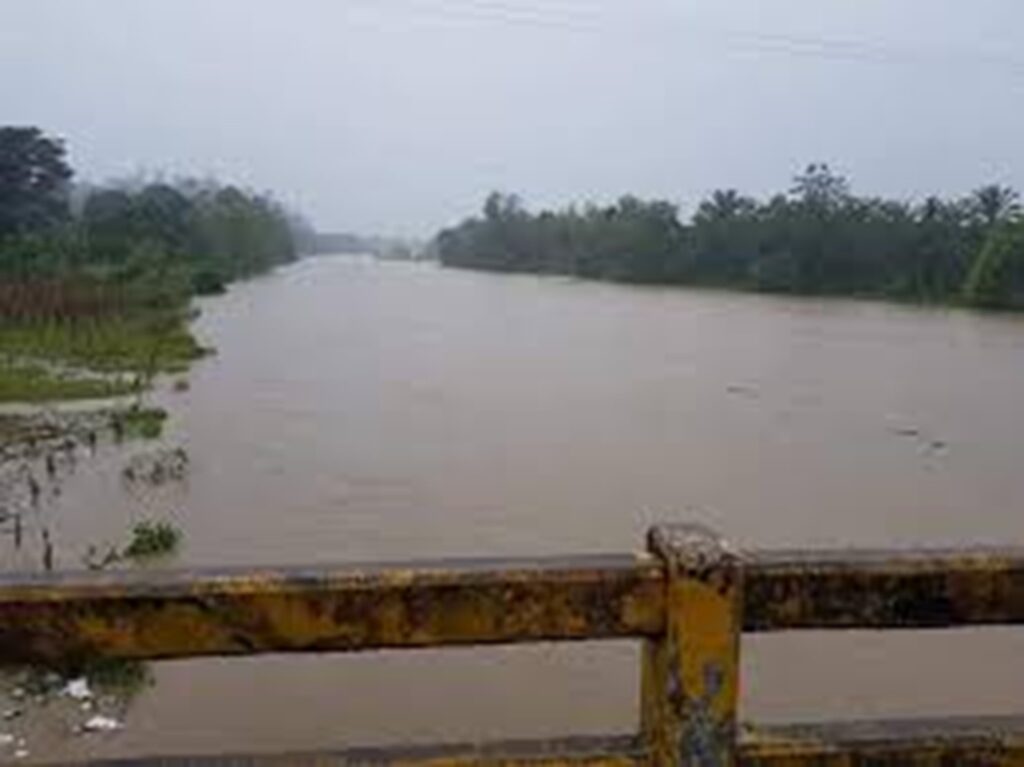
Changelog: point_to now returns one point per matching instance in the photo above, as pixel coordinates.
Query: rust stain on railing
(232, 612)
(884, 589)
(948, 742)
(688, 599)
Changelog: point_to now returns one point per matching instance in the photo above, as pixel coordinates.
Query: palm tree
(994, 204)
(725, 204)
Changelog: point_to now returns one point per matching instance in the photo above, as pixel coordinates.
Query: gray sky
(397, 116)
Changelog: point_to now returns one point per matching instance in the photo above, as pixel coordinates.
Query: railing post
(690, 679)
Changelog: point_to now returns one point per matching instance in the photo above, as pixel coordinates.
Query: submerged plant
(141, 423)
(152, 539)
(124, 679)
(156, 468)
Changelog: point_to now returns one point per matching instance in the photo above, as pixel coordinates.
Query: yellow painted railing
(688, 598)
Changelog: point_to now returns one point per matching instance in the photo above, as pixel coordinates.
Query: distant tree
(994, 204)
(725, 235)
(820, 189)
(163, 214)
(996, 278)
(217, 233)
(499, 207)
(819, 238)
(34, 181)
(107, 219)
(723, 205)
(936, 261)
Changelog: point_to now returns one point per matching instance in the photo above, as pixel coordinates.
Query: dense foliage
(95, 282)
(817, 238)
(80, 253)
(33, 180)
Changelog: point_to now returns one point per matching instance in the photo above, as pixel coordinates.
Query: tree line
(68, 251)
(817, 238)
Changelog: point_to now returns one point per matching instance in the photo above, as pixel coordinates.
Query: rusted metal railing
(688, 598)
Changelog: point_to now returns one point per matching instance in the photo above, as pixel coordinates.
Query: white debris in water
(21, 753)
(101, 723)
(6, 739)
(78, 689)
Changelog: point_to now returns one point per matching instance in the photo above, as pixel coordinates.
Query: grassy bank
(96, 357)
(113, 344)
(97, 293)
(33, 384)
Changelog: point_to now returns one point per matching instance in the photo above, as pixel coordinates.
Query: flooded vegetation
(94, 299)
(40, 452)
(260, 307)
(95, 306)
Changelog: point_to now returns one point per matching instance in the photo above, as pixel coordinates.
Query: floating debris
(905, 431)
(78, 689)
(6, 739)
(742, 390)
(927, 445)
(100, 723)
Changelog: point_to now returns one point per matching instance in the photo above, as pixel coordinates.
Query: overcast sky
(397, 116)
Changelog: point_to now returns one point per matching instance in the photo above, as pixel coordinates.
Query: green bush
(208, 282)
(35, 383)
(996, 278)
(141, 423)
(153, 539)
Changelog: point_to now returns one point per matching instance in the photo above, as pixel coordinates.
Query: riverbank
(95, 297)
(741, 290)
(95, 358)
(818, 239)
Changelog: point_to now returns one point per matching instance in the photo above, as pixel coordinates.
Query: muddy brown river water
(359, 410)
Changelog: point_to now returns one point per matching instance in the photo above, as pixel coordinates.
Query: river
(359, 410)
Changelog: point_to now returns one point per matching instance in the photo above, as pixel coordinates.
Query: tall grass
(33, 383)
(101, 344)
(62, 299)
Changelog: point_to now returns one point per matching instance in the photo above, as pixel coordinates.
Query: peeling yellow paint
(688, 601)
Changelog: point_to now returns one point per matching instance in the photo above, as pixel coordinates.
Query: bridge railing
(688, 598)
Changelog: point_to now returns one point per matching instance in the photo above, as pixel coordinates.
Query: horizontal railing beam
(154, 615)
(149, 615)
(974, 742)
(623, 751)
(883, 589)
(983, 742)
